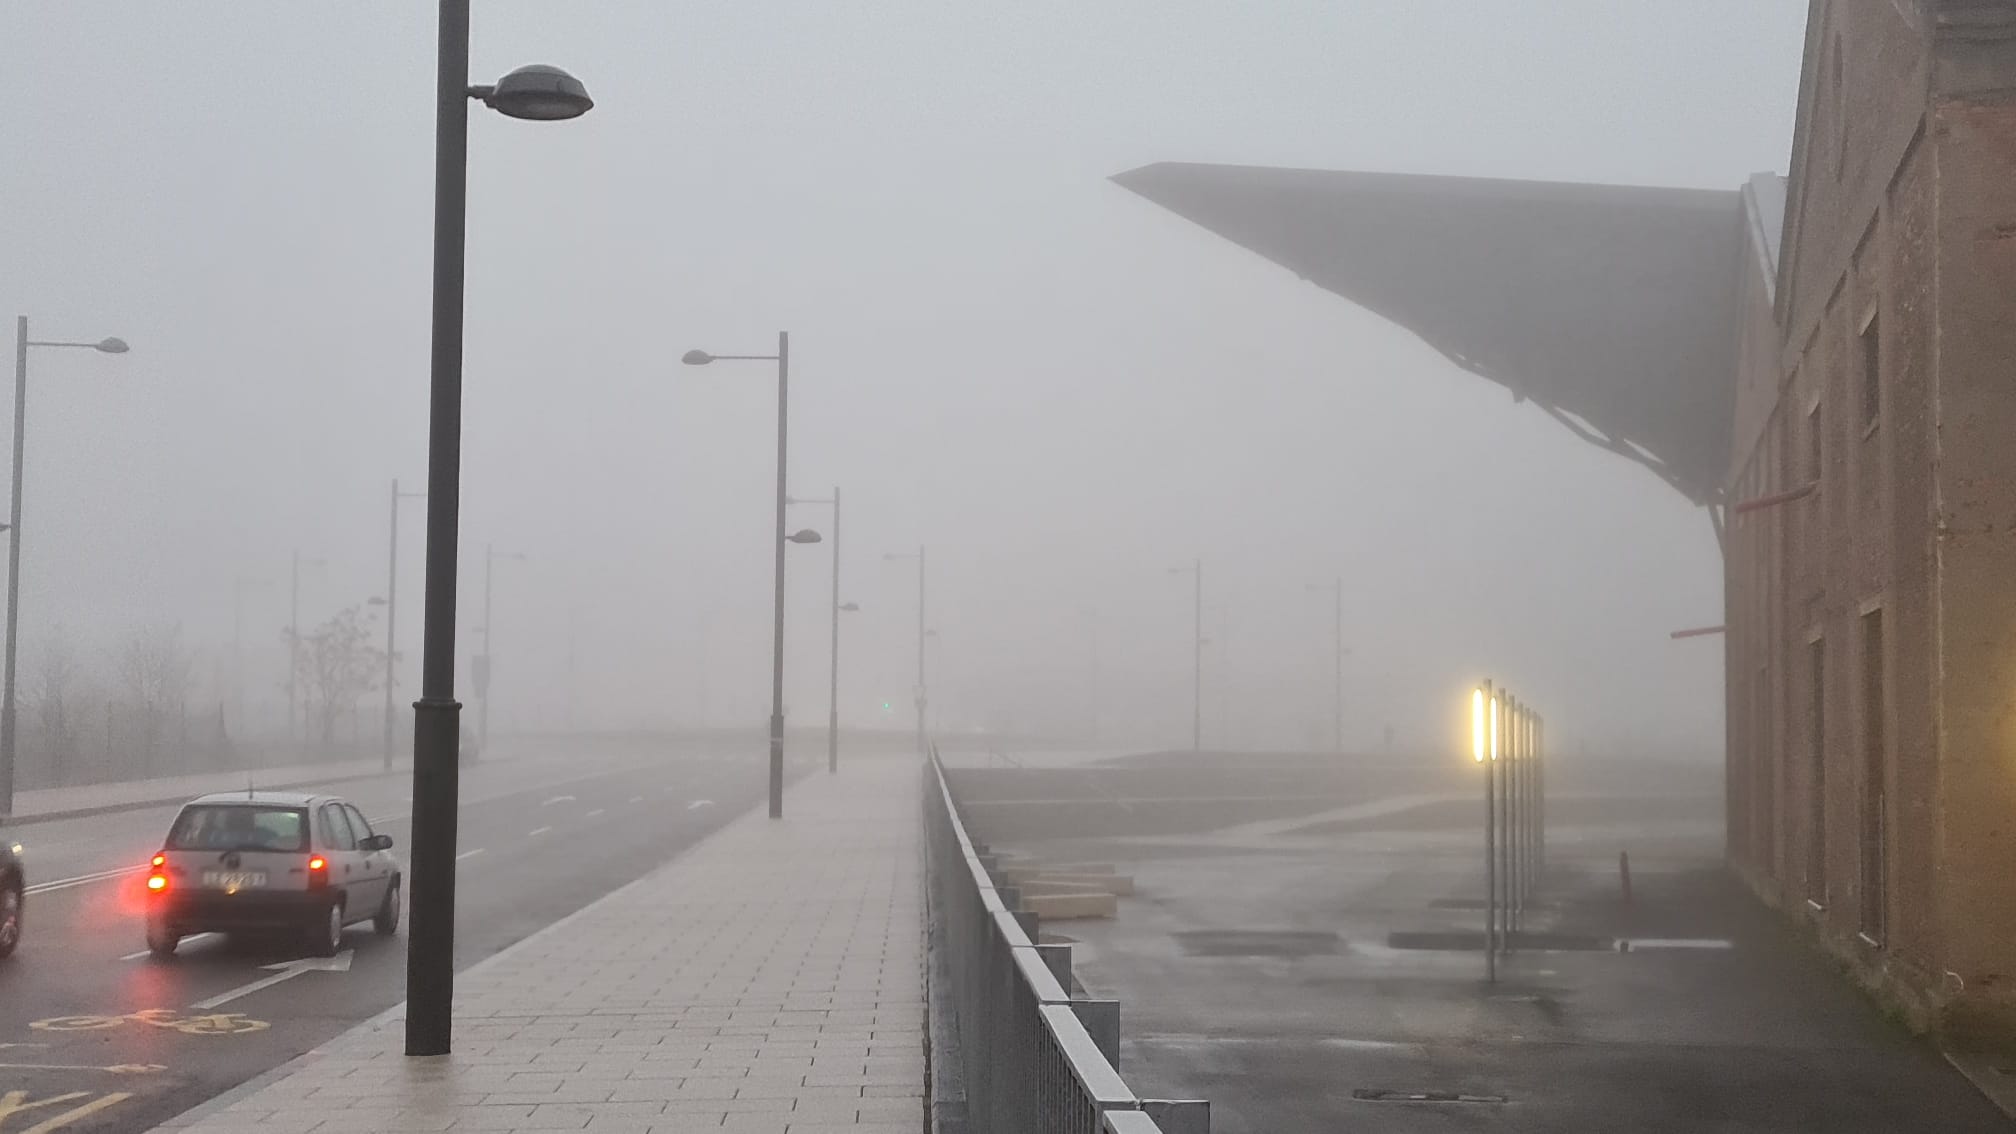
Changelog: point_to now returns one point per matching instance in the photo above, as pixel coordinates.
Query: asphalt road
(96, 1036)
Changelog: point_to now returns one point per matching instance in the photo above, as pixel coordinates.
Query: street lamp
(1337, 686)
(1196, 571)
(21, 344)
(537, 94)
(922, 748)
(392, 620)
(833, 700)
(783, 360)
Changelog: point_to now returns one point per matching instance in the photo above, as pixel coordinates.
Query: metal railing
(1029, 1065)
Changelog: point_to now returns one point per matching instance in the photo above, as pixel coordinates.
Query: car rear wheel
(326, 936)
(387, 920)
(161, 940)
(10, 919)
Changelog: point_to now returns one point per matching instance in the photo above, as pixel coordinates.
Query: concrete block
(1058, 958)
(1065, 907)
(1101, 1020)
(1179, 1116)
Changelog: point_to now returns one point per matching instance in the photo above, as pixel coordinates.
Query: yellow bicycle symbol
(211, 1024)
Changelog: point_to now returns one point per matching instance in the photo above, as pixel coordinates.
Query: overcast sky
(1061, 389)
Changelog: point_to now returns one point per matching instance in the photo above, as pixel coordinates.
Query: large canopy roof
(1613, 308)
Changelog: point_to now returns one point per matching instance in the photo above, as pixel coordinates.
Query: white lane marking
(84, 879)
(288, 970)
(636, 799)
(558, 799)
(468, 854)
(538, 831)
(699, 803)
(594, 813)
(1635, 944)
(190, 940)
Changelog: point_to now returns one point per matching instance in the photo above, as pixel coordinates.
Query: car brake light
(160, 860)
(157, 882)
(318, 863)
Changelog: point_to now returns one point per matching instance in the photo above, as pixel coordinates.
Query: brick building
(1872, 615)
(1827, 364)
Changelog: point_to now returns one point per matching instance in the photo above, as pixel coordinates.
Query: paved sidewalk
(768, 981)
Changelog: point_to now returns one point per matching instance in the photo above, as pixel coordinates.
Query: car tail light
(318, 872)
(160, 860)
(157, 882)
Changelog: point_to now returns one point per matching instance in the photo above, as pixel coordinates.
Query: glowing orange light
(160, 860)
(1477, 726)
(317, 863)
(157, 882)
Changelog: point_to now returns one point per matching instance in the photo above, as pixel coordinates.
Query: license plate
(232, 881)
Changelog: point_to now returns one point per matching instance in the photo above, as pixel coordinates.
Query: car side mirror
(376, 843)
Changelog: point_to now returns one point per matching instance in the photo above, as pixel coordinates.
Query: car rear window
(240, 827)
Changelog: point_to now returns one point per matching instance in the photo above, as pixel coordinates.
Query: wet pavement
(1269, 959)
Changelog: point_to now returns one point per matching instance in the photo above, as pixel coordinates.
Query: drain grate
(1376, 1094)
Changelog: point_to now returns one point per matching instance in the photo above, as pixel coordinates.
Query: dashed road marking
(558, 799)
(538, 831)
(468, 854)
(699, 803)
(636, 799)
(594, 813)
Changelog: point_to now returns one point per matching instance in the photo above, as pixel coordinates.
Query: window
(239, 827)
(1872, 371)
(337, 828)
(1816, 776)
(358, 826)
(1875, 791)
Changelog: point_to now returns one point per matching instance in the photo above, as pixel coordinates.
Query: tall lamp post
(7, 708)
(294, 640)
(783, 360)
(1196, 571)
(487, 671)
(833, 700)
(1337, 674)
(392, 622)
(923, 749)
(539, 94)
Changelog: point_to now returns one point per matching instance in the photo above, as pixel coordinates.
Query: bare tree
(54, 697)
(155, 669)
(338, 665)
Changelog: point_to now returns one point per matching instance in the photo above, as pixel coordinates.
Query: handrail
(1030, 1064)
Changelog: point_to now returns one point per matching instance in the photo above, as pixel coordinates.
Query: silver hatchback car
(271, 860)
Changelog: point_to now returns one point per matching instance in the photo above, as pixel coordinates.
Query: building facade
(1871, 537)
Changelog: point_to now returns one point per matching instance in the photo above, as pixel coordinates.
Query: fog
(1060, 389)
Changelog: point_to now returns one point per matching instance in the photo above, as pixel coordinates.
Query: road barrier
(1028, 1055)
